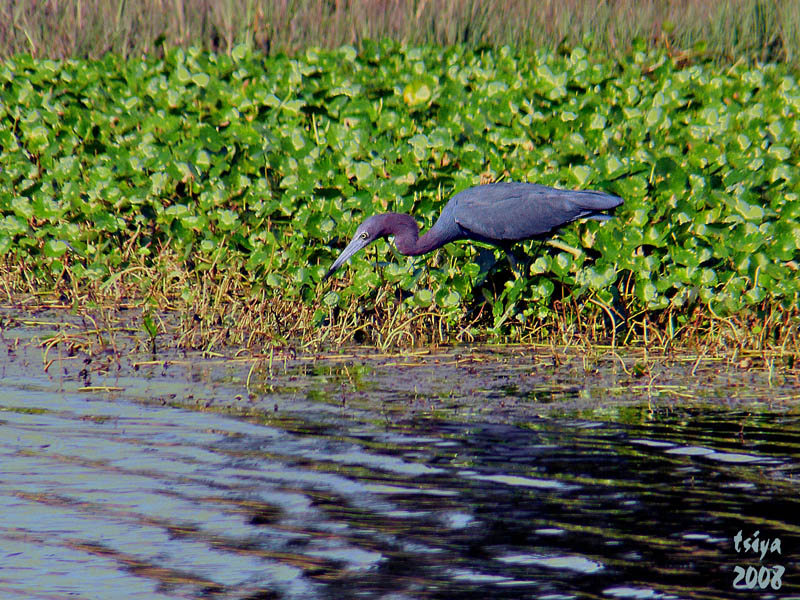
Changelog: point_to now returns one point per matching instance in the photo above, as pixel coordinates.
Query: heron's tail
(592, 200)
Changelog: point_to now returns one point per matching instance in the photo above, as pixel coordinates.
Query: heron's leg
(617, 319)
(514, 262)
(519, 262)
(486, 260)
(524, 259)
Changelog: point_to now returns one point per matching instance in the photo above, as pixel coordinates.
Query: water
(357, 487)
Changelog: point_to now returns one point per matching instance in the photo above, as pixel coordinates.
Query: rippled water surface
(351, 477)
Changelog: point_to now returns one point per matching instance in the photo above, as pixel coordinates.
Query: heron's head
(373, 228)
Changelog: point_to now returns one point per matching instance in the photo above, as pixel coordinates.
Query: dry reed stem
(758, 29)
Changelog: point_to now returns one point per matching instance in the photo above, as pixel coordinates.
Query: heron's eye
(364, 235)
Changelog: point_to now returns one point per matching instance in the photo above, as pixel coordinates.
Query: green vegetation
(220, 187)
(764, 30)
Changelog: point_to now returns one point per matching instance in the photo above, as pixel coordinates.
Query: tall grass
(731, 29)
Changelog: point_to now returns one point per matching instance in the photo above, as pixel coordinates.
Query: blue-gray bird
(497, 213)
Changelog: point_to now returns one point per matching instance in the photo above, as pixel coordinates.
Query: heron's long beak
(354, 246)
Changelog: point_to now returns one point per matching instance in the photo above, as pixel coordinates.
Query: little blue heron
(497, 213)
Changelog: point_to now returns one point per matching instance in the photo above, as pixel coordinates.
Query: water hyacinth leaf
(420, 145)
(597, 121)
(543, 290)
(496, 88)
(362, 171)
(782, 171)
(293, 106)
(108, 222)
(22, 207)
(423, 298)
(471, 270)
(274, 281)
(449, 299)
(393, 271)
(176, 211)
(646, 291)
(612, 167)
(580, 175)
(55, 248)
(331, 299)
(540, 265)
(302, 276)
(780, 153)
(706, 277)
(202, 160)
(755, 295)
(599, 278)
(655, 235)
(685, 256)
(182, 75)
(227, 219)
(200, 79)
(37, 138)
(751, 212)
(562, 263)
(239, 52)
(441, 139)
(417, 93)
(197, 222)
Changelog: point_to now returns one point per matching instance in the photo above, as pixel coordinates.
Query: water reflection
(121, 499)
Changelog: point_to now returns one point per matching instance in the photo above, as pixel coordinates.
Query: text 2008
(761, 577)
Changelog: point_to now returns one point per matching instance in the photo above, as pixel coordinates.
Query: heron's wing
(507, 212)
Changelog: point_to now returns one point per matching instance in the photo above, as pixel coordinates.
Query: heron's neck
(407, 238)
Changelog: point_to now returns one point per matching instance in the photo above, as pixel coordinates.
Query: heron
(499, 214)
